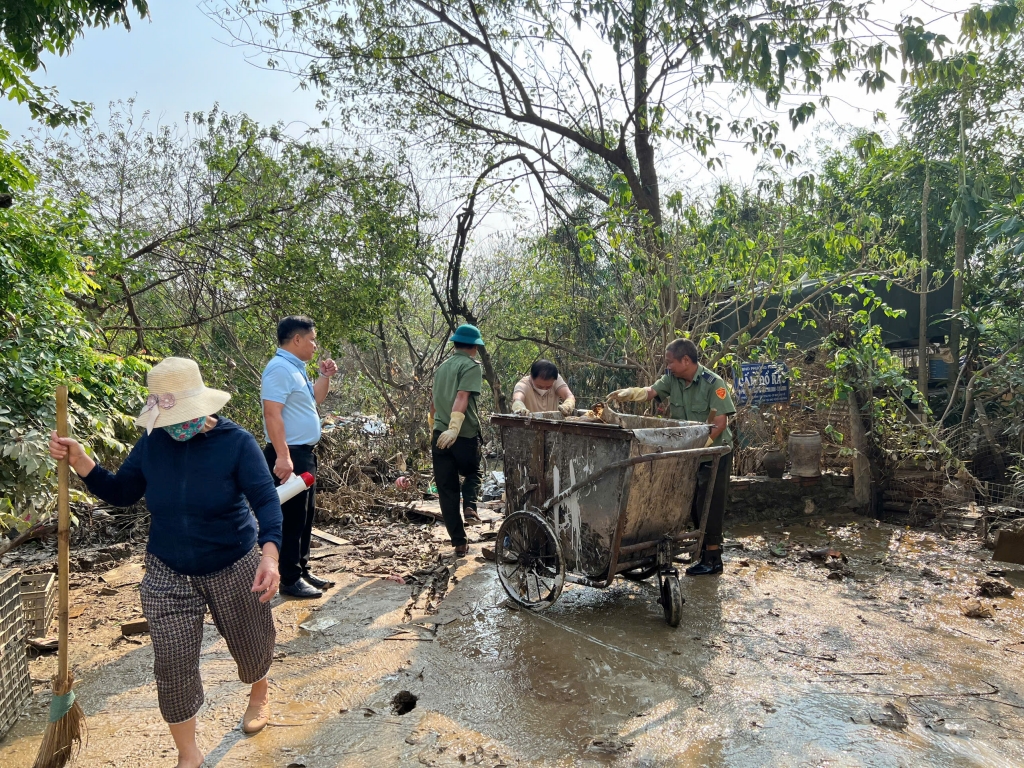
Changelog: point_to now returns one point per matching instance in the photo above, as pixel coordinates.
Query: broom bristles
(62, 740)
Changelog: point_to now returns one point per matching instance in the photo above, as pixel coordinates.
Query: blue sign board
(762, 384)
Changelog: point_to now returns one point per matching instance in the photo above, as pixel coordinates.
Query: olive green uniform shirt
(694, 401)
(459, 373)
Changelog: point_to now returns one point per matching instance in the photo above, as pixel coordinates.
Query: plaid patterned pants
(175, 606)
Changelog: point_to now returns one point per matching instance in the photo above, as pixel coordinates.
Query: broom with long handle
(63, 737)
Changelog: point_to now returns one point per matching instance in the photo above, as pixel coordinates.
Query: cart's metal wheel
(671, 599)
(529, 560)
(640, 574)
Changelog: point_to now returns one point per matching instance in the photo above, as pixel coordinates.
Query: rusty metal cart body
(591, 501)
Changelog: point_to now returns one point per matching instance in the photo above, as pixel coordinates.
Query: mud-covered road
(775, 663)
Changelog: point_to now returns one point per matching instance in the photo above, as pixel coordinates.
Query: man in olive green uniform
(455, 433)
(692, 392)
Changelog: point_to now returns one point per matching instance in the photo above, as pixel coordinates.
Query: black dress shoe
(710, 564)
(316, 581)
(301, 589)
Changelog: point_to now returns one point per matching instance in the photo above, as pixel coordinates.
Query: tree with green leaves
(32, 29)
(212, 232)
(46, 253)
(578, 97)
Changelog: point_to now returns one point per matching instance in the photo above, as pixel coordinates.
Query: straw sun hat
(177, 394)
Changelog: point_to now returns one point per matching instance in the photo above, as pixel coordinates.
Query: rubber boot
(710, 563)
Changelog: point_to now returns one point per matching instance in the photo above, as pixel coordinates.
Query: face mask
(186, 430)
(541, 392)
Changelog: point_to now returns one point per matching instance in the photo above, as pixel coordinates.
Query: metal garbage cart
(592, 500)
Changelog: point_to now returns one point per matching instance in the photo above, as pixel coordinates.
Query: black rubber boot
(710, 564)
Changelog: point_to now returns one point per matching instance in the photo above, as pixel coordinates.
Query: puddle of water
(773, 664)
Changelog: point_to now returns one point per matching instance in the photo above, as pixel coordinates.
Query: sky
(180, 60)
(177, 61)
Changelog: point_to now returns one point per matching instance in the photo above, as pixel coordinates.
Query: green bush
(45, 258)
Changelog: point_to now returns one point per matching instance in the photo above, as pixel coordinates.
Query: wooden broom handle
(63, 537)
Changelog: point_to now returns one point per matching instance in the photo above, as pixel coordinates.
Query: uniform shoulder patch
(709, 377)
(721, 393)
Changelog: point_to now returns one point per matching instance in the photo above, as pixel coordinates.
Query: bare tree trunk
(861, 463)
(922, 337)
(140, 340)
(958, 269)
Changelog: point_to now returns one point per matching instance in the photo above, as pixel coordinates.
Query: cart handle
(719, 450)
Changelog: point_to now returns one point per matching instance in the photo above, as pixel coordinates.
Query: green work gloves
(568, 406)
(519, 407)
(447, 438)
(630, 395)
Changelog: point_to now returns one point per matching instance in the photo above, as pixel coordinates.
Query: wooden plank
(432, 509)
(330, 537)
(124, 575)
(535, 467)
(322, 552)
(139, 627)
(1009, 547)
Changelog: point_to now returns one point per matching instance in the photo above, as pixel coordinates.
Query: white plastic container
(293, 486)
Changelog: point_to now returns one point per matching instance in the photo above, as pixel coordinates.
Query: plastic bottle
(293, 486)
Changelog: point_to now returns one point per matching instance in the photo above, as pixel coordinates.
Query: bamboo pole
(63, 737)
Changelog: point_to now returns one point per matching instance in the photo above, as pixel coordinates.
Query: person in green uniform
(692, 391)
(455, 434)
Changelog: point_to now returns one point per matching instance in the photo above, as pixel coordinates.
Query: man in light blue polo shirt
(292, 427)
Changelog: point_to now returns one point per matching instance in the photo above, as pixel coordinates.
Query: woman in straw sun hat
(197, 470)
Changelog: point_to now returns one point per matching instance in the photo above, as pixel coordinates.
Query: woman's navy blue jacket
(196, 492)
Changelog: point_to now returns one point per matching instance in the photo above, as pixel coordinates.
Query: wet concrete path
(774, 664)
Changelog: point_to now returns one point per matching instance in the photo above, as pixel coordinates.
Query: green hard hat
(467, 334)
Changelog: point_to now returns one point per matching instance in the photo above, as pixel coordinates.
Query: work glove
(447, 438)
(629, 395)
(519, 407)
(568, 406)
(430, 422)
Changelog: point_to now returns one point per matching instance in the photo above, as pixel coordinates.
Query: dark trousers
(297, 525)
(463, 458)
(719, 496)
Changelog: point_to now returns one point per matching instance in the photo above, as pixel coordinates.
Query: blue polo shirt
(285, 381)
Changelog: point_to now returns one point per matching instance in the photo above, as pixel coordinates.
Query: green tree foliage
(213, 232)
(30, 29)
(45, 253)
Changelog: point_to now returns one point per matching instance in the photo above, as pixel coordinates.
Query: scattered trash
(403, 483)
(940, 725)
(891, 716)
(319, 624)
(494, 487)
(369, 425)
(43, 644)
(976, 610)
(994, 588)
(609, 747)
(826, 553)
(488, 553)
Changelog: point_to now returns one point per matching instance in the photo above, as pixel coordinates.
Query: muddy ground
(785, 660)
